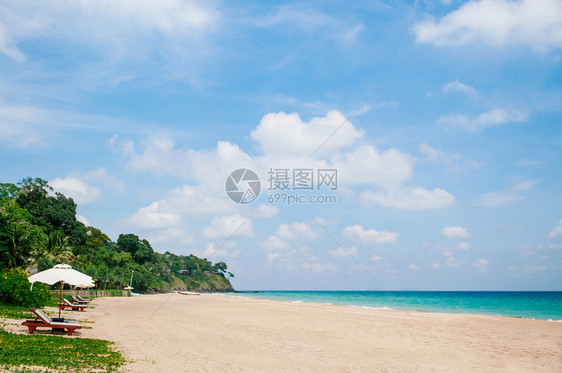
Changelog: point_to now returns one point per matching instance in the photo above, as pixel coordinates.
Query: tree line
(39, 229)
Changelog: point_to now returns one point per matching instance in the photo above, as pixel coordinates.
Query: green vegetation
(61, 353)
(10, 311)
(38, 227)
(15, 289)
(104, 293)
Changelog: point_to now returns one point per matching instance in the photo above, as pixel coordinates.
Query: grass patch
(54, 300)
(54, 352)
(9, 311)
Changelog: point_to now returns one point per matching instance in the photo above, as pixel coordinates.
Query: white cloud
(109, 181)
(340, 251)
(350, 36)
(164, 235)
(387, 169)
(284, 231)
(190, 200)
(266, 211)
(154, 217)
(302, 17)
(536, 24)
(525, 185)
(272, 256)
(482, 265)
(171, 212)
(117, 26)
(324, 221)
(497, 199)
(357, 232)
(308, 20)
(83, 220)
(529, 162)
(208, 169)
(453, 262)
(282, 255)
(505, 197)
(457, 86)
(32, 126)
(81, 191)
(413, 267)
(295, 230)
(9, 47)
(410, 198)
(455, 231)
(77, 189)
(528, 269)
(385, 104)
(492, 118)
(158, 154)
(26, 125)
(463, 246)
(437, 155)
(285, 140)
(557, 231)
(449, 254)
(319, 267)
(225, 226)
(211, 250)
(451, 160)
(447, 250)
(376, 258)
(273, 243)
(280, 133)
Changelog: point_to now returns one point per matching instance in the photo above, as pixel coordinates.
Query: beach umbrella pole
(60, 300)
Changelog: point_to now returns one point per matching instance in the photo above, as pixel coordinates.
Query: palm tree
(18, 245)
(18, 237)
(55, 248)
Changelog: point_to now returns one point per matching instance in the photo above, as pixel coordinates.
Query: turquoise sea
(544, 305)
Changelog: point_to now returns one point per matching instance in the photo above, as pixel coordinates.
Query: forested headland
(39, 229)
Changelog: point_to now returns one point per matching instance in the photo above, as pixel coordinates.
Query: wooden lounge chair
(79, 301)
(67, 304)
(44, 321)
(83, 299)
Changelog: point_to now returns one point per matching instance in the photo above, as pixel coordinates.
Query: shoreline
(397, 308)
(385, 308)
(211, 332)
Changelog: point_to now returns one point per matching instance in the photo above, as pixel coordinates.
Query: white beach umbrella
(84, 286)
(64, 274)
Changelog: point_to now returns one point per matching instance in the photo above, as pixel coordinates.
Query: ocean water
(543, 305)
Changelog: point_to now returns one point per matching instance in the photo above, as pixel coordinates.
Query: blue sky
(449, 176)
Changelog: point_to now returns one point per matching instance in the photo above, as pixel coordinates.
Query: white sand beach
(174, 332)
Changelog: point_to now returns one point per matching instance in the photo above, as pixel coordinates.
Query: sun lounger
(67, 304)
(44, 321)
(83, 299)
(79, 301)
